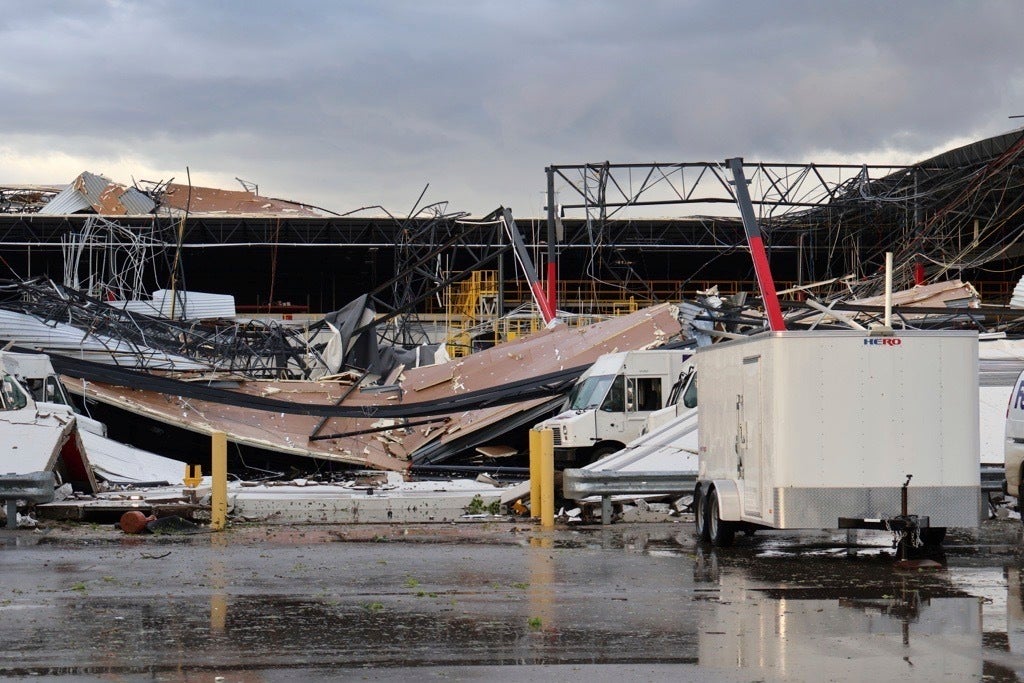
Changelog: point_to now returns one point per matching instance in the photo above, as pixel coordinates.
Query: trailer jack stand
(906, 531)
(905, 534)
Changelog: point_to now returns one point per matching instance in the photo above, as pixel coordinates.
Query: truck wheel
(700, 517)
(601, 452)
(720, 532)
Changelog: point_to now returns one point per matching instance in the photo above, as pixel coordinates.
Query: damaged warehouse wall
(955, 215)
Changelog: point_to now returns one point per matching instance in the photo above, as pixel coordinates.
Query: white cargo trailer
(821, 430)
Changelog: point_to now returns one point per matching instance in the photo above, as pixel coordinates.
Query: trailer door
(749, 446)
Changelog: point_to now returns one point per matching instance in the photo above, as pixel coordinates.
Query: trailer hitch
(906, 528)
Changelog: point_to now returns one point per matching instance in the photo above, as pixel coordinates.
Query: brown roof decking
(549, 350)
(209, 200)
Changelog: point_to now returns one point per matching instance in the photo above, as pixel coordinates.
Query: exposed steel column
(523, 256)
(552, 270)
(757, 253)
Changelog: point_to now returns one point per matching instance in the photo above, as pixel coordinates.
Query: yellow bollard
(535, 474)
(193, 476)
(219, 495)
(547, 478)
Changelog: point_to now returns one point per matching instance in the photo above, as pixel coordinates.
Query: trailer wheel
(933, 536)
(700, 516)
(721, 533)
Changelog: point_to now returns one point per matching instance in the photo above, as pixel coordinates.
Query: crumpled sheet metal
(548, 350)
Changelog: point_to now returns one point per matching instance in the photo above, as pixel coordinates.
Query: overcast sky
(345, 104)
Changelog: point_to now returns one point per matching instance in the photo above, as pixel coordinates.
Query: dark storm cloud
(351, 103)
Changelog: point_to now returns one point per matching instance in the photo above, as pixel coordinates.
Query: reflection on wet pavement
(778, 607)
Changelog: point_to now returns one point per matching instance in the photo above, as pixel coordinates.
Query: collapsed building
(126, 268)
(954, 215)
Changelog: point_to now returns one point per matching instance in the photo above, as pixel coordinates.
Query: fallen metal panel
(135, 202)
(935, 294)
(187, 305)
(391, 445)
(75, 197)
(94, 192)
(453, 443)
(122, 464)
(37, 441)
(28, 331)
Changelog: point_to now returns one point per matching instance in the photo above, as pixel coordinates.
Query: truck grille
(556, 436)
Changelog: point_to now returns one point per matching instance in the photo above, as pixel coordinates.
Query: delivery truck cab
(611, 402)
(1013, 455)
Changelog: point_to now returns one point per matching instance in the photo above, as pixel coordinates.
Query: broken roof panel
(94, 193)
(396, 443)
(208, 200)
(946, 293)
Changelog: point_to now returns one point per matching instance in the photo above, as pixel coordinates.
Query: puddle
(776, 606)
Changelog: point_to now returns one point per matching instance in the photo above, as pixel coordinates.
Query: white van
(1013, 455)
(612, 400)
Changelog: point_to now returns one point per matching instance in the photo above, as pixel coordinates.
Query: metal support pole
(888, 290)
(547, 478)
(523, 255)
(552, 276)
(12, 513)
(761, 268)
(606, 510)
(219, 495)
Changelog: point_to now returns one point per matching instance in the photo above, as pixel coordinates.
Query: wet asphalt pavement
(505, 601)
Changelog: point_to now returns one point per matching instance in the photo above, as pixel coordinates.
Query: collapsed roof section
(207, 201)
(26, 198)
(96, 194)
(431, 415)
(941, 305)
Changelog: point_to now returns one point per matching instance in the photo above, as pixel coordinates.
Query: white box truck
(839, 429)
(610, 403)
(1013, 455)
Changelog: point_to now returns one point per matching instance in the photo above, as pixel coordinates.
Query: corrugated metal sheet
(130, 202)
(1017, 298)
(945, 293)
(188, 305)
(194, 305)
(91, 192)
(69, 200)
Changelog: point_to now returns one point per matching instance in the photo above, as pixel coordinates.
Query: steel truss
(433, 250)
(960, 214)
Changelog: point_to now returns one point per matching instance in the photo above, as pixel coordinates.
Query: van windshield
(590, 392)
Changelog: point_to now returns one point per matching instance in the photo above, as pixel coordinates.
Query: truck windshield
(11, 395)
(590, 392)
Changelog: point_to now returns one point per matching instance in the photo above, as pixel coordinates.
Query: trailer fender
(728, 499)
